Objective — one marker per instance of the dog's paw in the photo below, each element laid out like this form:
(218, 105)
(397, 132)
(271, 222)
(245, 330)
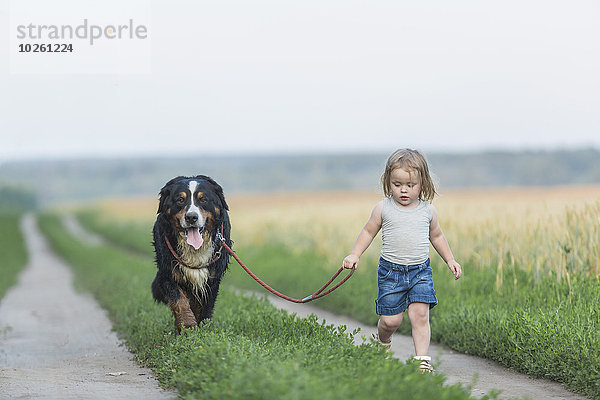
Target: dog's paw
(186, 326)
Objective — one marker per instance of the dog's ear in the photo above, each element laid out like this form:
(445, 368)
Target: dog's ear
(164, 194)
(218, 189)
(162, 200)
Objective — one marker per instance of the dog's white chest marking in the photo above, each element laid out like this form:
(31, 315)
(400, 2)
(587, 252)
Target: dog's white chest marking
(197, 277)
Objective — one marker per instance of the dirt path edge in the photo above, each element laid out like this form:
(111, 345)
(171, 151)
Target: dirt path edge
(57, 343)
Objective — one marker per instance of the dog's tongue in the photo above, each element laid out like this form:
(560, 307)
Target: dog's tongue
(194, 238)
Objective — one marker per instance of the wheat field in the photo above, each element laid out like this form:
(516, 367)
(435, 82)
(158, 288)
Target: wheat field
(549, 231)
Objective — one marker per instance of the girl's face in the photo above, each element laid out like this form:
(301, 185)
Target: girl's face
(406, 187)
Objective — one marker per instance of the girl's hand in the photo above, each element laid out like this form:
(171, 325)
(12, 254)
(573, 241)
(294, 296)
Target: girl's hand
(455, 268)
(350, 262)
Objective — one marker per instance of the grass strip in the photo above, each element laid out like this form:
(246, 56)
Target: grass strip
(12, 250)
(546, 329)
(250, 350)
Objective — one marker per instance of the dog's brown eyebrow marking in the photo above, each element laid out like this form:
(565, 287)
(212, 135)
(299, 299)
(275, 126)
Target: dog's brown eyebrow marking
(199, 195)
(183, 194)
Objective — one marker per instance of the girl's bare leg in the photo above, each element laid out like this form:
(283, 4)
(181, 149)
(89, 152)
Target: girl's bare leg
(387, 325)
(418, 313)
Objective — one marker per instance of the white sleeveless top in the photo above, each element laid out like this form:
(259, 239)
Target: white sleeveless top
(405, 233)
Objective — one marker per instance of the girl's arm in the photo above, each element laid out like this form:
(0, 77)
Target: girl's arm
(440, 244)
(365, 237)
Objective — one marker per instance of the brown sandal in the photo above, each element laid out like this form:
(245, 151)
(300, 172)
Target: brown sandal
(387, 346)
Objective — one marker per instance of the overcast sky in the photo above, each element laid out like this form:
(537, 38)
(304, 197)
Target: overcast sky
(324, 75)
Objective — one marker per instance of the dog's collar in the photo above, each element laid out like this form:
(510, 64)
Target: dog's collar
(212, 260)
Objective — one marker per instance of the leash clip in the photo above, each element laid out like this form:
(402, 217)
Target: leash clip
(219, 235)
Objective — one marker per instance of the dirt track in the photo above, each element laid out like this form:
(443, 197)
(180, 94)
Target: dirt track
(56, 343)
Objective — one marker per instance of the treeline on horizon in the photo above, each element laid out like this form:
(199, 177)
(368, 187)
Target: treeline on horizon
(16, 199)
(54, 181)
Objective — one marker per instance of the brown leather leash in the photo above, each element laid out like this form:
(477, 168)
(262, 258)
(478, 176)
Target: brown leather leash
(316, 295)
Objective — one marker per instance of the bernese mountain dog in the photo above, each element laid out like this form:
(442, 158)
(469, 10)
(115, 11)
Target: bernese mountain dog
(192, 219)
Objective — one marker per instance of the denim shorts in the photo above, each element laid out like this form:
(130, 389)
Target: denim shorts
(401, 285)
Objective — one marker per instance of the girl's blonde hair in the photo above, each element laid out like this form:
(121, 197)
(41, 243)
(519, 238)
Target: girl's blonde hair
(410, 160)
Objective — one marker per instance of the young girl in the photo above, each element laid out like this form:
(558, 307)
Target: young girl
(408, 223)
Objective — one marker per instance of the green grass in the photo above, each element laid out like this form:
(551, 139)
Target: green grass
(545, 328)
(12, 250)
(250, 350)
(135, 236)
